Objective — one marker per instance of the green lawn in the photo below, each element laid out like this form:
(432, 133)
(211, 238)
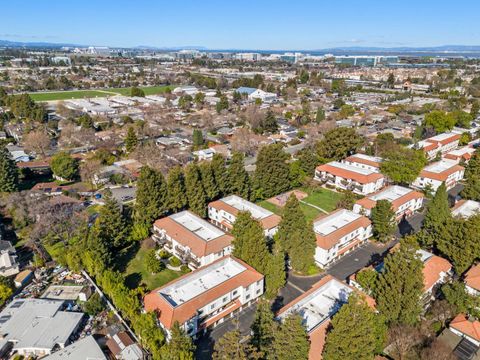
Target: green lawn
(148, 90)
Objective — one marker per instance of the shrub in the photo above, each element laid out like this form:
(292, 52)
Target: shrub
(164, 254)
(175, 262)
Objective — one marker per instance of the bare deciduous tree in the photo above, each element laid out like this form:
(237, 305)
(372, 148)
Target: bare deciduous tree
(402, 341)
(37, 141)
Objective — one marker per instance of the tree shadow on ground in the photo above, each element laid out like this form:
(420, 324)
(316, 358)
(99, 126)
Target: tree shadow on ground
(125, 256)
(133, 280)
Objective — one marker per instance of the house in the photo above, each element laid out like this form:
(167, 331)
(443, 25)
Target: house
(223, 213)
(317, 306)
(36, 326)
(338, 233)
(8, 259)
(364, 161)
(436, 271)
(441, 143)
(405, 201)
(17, 154)
(463, 154)
(472, 280)
(205, 297)
(192, 239)
(84, 349)
(204, 154)
(466, 208)
(433, 175)
(186, 89)
(467, 328)
(122, 347)
(349, 177)
(254, 94)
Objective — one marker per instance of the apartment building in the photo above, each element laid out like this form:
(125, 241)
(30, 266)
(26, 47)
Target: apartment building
(364, 161)
(433, 175)
(466, 327)
(405, 201)
(223, 213)
(192, 239)
(466, 208)
(441, 143)
(463, 154)
(205, 297)
(472, 280)
(339, 233)
(349, 177)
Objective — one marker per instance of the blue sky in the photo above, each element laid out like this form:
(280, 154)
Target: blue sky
(246, 24)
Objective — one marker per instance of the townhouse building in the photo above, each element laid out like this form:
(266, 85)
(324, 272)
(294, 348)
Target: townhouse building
(460, 155)
(466, 208)
(203, 298)
(467, 328)
(441, 143)
(364, 161)
(433, 175)
(472, 280)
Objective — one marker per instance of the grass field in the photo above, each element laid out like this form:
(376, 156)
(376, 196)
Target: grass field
(80, 94)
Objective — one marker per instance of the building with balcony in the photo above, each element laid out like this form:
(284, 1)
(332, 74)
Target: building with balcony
(192, 239)
(205, 297)
(433, 175)
(441, 143)
(472, 280)
(223, 213)
(460, 155)
(339, 233)
(405, 201)
(349, 177)
(364, 161)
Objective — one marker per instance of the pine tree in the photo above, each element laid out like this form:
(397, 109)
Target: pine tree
(263, 329)
(400, 285)
(197, 200)
(272, 173)
(208, 181)
(131, 140)
(177, 194)
(275, 274)
(270, 124)
(230, 347)
(197, 138)
(436, 218)
(291, 340)
(383, 220)
(111, 223)
(152, 197)
(238, 179)
(357, 333)
(472, 178)
(180, 346)
(8, 172)
(220, 173)
(308, 161)
(320, 116)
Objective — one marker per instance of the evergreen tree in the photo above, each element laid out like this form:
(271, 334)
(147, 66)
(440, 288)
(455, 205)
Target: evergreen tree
(472, 178)
(230, 347)
(111, 224)
(64, 166)
(403, 165)
(197, 200)
(180, 346)
(197, 138)
(436, 218)
(208, 181)
(152, 197)
(338, 143)
(222, 104)
(383, 220)
(270, 124)
(291, 340)
(131, 140)
(99, 250)
(263, 329)
(8, 172)
(238, 179)
(400, 285)
(177, 194)
(320, 116)
(308, 161)
(220, 174)
(357, 333)
(275, 274)
(272, 174)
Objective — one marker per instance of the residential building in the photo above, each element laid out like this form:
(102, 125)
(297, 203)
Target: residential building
(223, 213)
(466, 327)
(364, 161)
(192, 239)
(205, 297)
(463, 154)
(441, 143)
(8, 259)
(433, 175)
(472, 280)
(405, 201)
(84, 349)
(466, 208)
(339, 233)
(122, 347)
(436, 271)
(349, 177)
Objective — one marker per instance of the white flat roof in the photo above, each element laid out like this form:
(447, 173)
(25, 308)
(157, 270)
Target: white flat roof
(440, 166)
(334, 221)
(467, 209)
(201, 281)
(352, 168)
(321, 304)
(391, 193)
(197, 225)
(368, 157)
(424, 255)
(441, 137)
(462, 151)
(240, 204)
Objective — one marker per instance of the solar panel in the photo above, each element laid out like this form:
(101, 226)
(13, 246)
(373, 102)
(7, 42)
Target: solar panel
(465, 349)
(4, 319)
(17, 304)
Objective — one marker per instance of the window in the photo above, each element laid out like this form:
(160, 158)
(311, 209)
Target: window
(258, 291)
(225, 299)
(234, 292)
(212, 306)
(247, 297)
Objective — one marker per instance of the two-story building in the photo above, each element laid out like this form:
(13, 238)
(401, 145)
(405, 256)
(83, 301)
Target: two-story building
(472, 280)
(433, 175)
(344, 176)
(223, 213)
(460, 155)
(441, 143)
(466, 208)
(192, 239)
(364, 161)
(338, 233)
(405, 201)
(205, 297)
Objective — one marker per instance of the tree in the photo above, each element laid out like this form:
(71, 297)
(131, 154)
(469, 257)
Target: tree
(439, 121)
(185, 102)
(6, 289)
(153, 264)
(347, 200)
(338, 143)
(437, 217)
(437, 350)
(135, 91)
(94, 305)
(37, 141)
(8, 172)
(177, 194)
(263, 328)
(230, 346)
(197, 200)
(208, 181)
(472, 178)
(291, 340)
(222, 104)
(131, 140)
(383, 220)
(462, 119)
(197, 138)
(367, 279)
(199, 98)
(356, 332)
(308, 161)
(238, 178)
(151, 197)
(64, 166)
(402, 340)
(403, 165)
(180, 346)
(272, 173)
(456, 295)
(391, 80)
(400, 285)
(296, 236)
(111, 224)
(275, 273)
(220, 174)
(269, 124)
(474, 109)
(320, 115)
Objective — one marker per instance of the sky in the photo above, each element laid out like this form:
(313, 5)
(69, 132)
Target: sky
(246, 24)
